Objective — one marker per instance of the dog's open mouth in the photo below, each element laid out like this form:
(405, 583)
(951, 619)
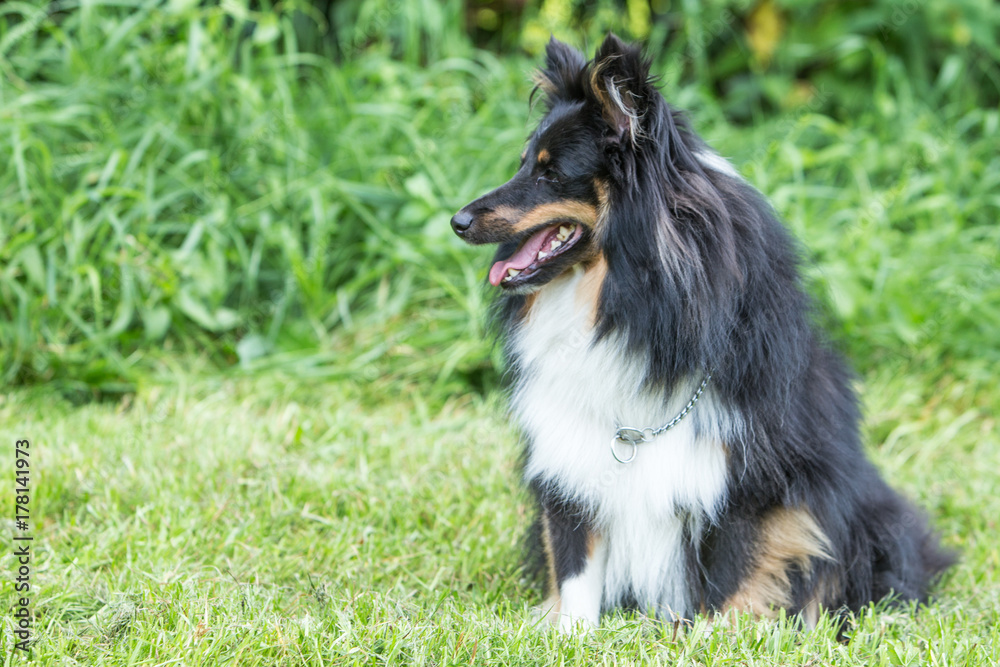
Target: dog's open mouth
(541, 247)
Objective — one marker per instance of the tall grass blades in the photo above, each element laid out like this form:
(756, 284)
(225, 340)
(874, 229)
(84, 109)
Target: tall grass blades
(181, 175)
(271, 185)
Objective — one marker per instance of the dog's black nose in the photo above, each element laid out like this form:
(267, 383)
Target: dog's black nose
(461, 222)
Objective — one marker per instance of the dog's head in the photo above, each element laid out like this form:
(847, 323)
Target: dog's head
(552, 214)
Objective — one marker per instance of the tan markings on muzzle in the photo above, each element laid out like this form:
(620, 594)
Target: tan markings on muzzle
(575, 211)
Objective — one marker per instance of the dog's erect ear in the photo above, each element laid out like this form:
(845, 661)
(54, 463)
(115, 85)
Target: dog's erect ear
(619, 82)
(562, 76)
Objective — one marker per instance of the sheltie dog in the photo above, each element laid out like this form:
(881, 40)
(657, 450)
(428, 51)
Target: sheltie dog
(691, 440)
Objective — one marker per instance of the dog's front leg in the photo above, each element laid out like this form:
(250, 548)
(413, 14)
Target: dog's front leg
(577, 556)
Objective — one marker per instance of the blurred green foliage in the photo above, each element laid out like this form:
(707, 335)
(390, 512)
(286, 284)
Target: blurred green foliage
(271, 185)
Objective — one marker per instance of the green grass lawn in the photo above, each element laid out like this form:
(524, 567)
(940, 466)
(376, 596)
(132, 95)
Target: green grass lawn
(230, 519)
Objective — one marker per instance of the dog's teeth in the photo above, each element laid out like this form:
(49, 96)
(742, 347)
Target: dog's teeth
(512, 272)
(555, 244)
(564, 232)
(542, 254)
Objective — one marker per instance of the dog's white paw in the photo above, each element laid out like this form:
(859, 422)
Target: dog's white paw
(552, 614)
(570, 625)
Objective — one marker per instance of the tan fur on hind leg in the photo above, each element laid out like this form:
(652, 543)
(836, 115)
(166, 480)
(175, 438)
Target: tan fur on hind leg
(790, 537)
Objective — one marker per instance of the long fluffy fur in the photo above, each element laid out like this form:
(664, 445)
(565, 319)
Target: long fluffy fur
(777, 506)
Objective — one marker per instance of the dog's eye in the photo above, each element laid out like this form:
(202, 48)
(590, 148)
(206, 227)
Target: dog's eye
(548, 176)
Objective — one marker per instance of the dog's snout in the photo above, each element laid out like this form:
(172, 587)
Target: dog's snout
(461, 222)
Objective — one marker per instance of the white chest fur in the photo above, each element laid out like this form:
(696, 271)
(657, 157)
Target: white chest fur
(572, 395)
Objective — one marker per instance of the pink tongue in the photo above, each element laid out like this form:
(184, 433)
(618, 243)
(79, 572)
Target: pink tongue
(523, 258)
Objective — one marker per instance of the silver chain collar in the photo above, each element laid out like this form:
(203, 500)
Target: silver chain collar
(633, 435)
